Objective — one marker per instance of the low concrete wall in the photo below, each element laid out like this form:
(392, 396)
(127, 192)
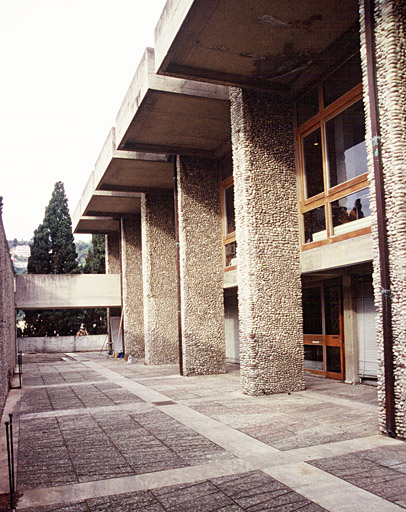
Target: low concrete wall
(63, 343)
(67, 291)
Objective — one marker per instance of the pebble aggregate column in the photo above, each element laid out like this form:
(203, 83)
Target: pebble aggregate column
(390, 34)
(131, 264)
(113, 266)
(159, 279)
(201, 266)
(267, 231)
(113, 253)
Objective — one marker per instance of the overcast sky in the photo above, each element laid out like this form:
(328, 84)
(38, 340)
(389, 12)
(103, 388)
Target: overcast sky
(65, 68)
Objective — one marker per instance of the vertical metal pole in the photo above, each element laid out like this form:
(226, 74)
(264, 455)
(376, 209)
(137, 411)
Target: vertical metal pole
(175, 200)
(10, 479)
(381, 220)
(12, 451)
(20, 367)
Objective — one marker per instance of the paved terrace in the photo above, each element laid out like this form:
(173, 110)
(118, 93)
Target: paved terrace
(96, 434)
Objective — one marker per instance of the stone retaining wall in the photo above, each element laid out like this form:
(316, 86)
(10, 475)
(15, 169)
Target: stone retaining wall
(7, 318)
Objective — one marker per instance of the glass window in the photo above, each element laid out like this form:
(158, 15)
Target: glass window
(231, 254)
(226, 168)
(332, 308)
(315, 225)
(333, 357)
(343, 80)
(354, 207)
(230, 214)
(313, 164)
(313, 357)
(312, 311)
(308, 106)
(346, 148)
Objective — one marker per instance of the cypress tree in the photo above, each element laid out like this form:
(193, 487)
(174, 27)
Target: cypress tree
(95, 259)
(53, 252)
(95, 320)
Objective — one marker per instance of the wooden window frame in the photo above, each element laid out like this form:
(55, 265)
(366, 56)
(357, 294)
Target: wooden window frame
(329, 194)
(226, 237)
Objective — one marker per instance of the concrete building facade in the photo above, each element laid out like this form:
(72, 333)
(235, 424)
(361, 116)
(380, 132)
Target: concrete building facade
(278, 147)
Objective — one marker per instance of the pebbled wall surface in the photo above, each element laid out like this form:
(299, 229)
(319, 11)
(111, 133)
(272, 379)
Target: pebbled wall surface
(390, 33)
(7, 319)
(159, 279)
(133, 308)
(267, 231)
(201, 266)
(113, 265)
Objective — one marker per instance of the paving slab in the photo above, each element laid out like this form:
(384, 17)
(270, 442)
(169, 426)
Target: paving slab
(98, 434)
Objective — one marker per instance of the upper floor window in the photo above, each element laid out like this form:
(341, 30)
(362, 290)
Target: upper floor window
(228, 215)
(333, 185)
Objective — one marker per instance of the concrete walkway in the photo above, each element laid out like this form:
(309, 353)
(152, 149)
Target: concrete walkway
(97, 434)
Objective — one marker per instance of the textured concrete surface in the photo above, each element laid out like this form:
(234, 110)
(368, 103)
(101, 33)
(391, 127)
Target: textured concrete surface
(131, 285)
(269, 291)
(159, 279)
(201, 266)
(98, 434)
(390, 22)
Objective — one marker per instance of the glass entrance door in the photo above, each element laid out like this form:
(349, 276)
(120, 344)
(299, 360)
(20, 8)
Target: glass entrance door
(323, 329)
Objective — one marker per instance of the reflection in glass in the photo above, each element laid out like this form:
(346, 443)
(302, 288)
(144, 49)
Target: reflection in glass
(313, 357)
(315, 225)
(308, 106)
(332, 308)
(353, 207)
(230, 214)
(341, 81)
(312, 312)
(346, 148)
(333, 356)
(231, 254)
(313, 164)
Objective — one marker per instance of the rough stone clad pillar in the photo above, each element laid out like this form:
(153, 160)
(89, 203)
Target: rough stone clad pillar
(113, 266)
(159, 279)
(390, 17)
(201, 266)
(131, 264)
(269, 292)
(113, 253)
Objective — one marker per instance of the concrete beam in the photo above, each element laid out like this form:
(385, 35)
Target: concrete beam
(67, 291)
(93, 224)
(169, 115)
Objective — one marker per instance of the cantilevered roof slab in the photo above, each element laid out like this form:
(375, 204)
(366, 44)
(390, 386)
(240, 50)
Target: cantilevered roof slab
(169, 115)
(254, 43)
(96, 225)
(131, 171)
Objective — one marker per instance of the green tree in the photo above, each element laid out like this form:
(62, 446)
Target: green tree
(96, 259)
(95, 320)
(53, 252)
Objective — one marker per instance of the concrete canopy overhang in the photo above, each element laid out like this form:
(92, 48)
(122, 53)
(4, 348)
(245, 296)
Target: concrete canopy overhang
(255, 44)
(170, 115)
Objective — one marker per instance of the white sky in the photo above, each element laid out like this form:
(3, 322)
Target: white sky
(65, 67)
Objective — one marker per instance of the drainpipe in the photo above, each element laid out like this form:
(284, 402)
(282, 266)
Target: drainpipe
(175, 200)
(381, 219)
